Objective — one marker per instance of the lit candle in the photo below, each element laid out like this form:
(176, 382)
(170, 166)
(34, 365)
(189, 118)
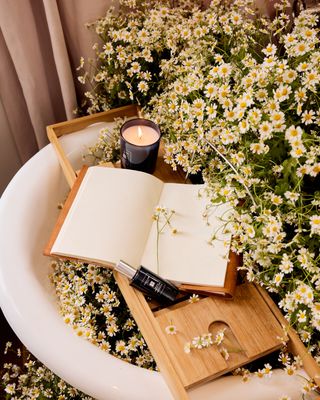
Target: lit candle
(139, 143)
(140, 135)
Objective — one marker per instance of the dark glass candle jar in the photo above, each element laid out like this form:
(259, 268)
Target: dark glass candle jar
(139, 145)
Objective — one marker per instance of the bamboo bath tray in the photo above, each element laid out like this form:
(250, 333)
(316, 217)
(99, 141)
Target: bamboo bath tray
(253, 323)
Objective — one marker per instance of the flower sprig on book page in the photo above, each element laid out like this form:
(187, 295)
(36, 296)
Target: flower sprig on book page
(163, 216)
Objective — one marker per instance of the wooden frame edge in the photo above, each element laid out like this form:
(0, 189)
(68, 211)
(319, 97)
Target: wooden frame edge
(55, 131)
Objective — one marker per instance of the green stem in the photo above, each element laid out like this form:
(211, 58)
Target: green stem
(158, 235)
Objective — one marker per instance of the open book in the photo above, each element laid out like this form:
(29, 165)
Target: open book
(109, 215)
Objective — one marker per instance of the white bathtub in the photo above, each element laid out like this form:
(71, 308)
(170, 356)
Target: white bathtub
(28, 210)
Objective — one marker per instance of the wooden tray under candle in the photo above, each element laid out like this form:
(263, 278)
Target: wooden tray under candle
(253, 323)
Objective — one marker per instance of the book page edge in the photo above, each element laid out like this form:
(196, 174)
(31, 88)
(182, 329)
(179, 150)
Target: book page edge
(64, 212)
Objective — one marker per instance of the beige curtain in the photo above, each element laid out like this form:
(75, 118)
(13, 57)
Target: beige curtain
(41, 42)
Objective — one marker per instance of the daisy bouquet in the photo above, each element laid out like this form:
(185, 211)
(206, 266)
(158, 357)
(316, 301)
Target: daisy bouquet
(250, 125)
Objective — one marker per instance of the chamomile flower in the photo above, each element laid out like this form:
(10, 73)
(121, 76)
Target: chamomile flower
(284, 358)
(314, 169)
(224, 352)
(293, 133)
(302, 316)
(267, 370)
(282, 93)
(187, 347)
(135, 67)
(197, 342)
(269, 50)
(259, 148)
(308, 387)
(244, 126)
(303, 66)
(286, 266)
(298, 150)
(211, 111)
(277, 117)
(305, 336)
(218, 58)
(315, 224)
(301, 48)
(236, 18)
(290, 369)
(219, 337)
(289, 39)
(207, 339)
(244, 102)
(199, 104)
(276, 199)
(10, 388)
(194, 298)
(292, 197)
(308, 33)
(171, 330)
(112, 330)
(105, 346)
(224, 70)
(307, 117)
(311, 78)
(121, 347)
(229, 115)
(269, 61)
(278, 279)
(261, 95)
(211, 90)
(289, 75)
(143, 86)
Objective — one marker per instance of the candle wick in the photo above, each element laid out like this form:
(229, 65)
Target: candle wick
(139, 133)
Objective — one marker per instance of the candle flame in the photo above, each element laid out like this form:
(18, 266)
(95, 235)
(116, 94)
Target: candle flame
(139, 132)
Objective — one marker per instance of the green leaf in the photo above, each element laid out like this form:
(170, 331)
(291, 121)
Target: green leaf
(289, 176)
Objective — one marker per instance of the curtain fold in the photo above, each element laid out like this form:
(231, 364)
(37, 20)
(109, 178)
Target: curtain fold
(17, 123)
(75, 14)
(27, 37)
(61, 58)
